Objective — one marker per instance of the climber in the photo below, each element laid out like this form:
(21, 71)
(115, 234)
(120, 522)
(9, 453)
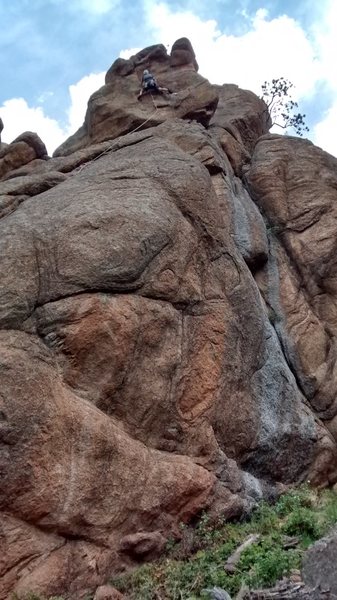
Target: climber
(1, 128)
(149, 84)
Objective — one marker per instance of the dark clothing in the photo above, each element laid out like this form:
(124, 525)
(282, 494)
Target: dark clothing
(149, 82)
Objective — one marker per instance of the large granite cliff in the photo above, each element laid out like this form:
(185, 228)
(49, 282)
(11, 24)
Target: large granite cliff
(168, 313)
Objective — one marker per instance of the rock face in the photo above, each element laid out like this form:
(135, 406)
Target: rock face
(319, 567)
(168, 316)
(114, 109)
(21, 151)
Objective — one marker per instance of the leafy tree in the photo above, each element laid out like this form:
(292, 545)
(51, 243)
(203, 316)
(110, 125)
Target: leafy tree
(281, 107)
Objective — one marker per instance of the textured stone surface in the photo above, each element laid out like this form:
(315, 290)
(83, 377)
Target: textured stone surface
(107, 592)
(115, 242)
(115, 110)
(33, 140)
(60, 456)
(295, 184)
(15, 155)
(167, 325)
(9, 203)
(240, 119)
(319, 567)
(24, 149)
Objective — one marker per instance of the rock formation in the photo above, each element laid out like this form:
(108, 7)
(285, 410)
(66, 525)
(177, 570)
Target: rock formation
(319, 567)
(168, 311)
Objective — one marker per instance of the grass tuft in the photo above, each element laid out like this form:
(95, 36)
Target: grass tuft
(196, 562)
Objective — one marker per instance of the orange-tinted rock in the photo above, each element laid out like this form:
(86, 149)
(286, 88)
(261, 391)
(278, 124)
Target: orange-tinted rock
(165, 346)
(201, 269)
(66, 456)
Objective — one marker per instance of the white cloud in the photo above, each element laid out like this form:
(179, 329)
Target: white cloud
(325, 35)
(324, 133)
(248, 60)
(129, 52)
(325, 40)
(18, 116)
(272, 48)
(79, 96)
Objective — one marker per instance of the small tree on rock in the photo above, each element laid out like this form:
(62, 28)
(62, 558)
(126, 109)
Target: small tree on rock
(281, 107)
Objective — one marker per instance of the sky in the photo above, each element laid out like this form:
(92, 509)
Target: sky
(54, 54)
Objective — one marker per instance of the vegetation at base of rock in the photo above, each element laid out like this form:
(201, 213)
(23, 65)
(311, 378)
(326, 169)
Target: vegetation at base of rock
(197, 561)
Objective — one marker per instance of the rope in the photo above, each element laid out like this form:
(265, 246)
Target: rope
(154, 104)
(109, 148)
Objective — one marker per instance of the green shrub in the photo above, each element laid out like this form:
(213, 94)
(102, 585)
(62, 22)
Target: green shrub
(264, 518)
(197, 562)
(303, 522)
(295, 499)
(329, 509)
(267, 562)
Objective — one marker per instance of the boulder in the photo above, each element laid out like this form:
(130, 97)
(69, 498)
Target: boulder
(182, 54)
(33, 140)
(319, 567)
(15, 155)
(143, 544)
(107, 592)
(25, 148)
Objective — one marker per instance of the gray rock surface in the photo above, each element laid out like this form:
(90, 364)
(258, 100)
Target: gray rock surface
(319, 567)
